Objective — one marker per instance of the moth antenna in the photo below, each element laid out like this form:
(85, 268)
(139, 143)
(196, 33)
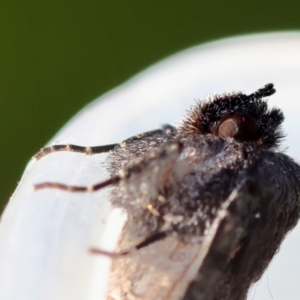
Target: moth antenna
(74, 188)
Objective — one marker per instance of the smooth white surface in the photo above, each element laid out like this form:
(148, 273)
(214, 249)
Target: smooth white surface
(45, 235)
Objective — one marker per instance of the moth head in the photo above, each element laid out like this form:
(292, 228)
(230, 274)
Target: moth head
(236, 115)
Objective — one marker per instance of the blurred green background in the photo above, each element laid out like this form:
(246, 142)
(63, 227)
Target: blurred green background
(56, 56)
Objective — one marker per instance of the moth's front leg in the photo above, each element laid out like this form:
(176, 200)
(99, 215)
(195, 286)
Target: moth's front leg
(166, 129)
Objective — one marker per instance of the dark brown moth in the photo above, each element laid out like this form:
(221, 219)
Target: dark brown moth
(208, 203)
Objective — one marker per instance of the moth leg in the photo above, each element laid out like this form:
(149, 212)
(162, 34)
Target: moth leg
(170, 151)
(166, 129)
(146, 242)
(74, 188)
(74, 148)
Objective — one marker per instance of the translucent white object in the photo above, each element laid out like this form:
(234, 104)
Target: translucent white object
(45, 235)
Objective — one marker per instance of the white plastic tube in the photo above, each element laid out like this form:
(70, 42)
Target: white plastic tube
(45, 235)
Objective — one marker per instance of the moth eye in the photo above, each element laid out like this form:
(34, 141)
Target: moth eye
(237, 126)
(228, 128)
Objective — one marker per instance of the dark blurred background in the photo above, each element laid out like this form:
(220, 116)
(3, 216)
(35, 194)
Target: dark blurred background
(56, 56)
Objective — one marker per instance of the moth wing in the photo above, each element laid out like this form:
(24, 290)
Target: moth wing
(165, 269)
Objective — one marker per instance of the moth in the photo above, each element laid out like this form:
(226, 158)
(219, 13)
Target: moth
(208, 203)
